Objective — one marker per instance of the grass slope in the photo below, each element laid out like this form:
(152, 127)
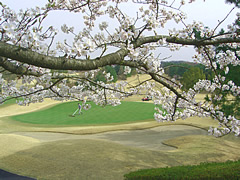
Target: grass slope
(226, 170)
(105, 160)
(61, 114)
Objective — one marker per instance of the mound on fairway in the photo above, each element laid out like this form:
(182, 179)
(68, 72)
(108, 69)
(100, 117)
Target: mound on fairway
(61, 114)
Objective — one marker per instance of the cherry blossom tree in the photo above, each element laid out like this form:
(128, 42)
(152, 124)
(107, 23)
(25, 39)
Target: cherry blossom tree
(30, 49)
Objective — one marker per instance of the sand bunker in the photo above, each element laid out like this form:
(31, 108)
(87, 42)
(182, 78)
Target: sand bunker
(148, 139)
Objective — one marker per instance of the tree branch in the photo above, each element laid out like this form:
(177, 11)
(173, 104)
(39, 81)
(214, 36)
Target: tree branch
(223, 20)
(182, 41)
(117, 58)
(31, 93)
(61, 63)
(13, 68)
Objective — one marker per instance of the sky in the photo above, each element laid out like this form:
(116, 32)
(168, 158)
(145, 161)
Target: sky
(210, 12)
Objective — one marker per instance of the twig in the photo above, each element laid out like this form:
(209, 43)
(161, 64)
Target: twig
(222, 20)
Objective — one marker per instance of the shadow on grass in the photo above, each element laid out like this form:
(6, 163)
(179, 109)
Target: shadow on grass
(4, 175)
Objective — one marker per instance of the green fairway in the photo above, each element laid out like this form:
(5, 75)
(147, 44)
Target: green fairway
(61, 114)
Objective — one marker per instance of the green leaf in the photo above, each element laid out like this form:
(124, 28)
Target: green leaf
(197, 34)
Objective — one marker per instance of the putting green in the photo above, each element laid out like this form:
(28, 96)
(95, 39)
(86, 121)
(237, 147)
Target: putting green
(61, 114)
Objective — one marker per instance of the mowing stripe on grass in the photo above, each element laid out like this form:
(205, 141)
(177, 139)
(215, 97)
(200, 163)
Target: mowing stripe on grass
(61, 114)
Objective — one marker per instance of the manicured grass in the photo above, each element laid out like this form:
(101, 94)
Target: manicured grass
(61, 114)
(226, 170)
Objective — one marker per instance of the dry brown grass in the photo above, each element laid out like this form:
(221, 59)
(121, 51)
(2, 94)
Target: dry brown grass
(204, 148)
(15, 109)
(99, 159)
(11, 144)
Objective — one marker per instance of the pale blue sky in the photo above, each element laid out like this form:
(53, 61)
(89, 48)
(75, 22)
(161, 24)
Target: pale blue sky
(209, 12)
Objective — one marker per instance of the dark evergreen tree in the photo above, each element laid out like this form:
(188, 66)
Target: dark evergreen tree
(192, 76)
(236, 2)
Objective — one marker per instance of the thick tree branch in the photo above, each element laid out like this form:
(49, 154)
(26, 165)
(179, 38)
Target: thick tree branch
(19, 70)
(33, 58)
(60, 63)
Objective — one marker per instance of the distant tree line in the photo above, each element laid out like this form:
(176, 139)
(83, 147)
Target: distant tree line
(189, 73)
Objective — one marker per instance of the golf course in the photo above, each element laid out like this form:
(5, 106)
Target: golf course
(44, 141)
(119, 90)
(51, 140)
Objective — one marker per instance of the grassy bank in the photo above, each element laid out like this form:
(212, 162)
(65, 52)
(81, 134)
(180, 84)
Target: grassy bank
(227, 170)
